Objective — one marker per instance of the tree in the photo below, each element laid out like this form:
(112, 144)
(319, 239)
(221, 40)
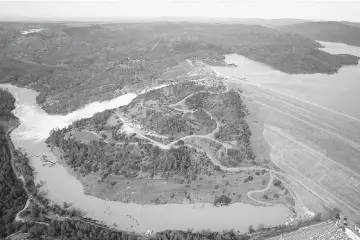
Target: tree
(251, 229)
(51, 231)
(36, 231)
(35, 212)
(261, 226)
(222, 200)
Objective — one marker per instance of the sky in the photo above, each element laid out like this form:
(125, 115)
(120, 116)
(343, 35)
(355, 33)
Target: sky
(108, 9)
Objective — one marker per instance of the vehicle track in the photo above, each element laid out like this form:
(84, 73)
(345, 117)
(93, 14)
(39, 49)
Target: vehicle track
(262, 190)
(214, 159)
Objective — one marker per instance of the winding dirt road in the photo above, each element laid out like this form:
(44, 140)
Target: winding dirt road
(261, 190)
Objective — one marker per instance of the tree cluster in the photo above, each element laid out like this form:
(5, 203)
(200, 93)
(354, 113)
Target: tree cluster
(82, 64)
(229, 110)
(7, 103)
(132, 155)
(12, 194)
(223, 200)
(82, 230)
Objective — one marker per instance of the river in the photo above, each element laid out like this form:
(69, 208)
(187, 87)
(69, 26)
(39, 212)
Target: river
(311, 123)
(61, 187)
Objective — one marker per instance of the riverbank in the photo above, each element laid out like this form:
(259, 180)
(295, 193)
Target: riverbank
(12, 194)
(223, 212)
(62, 187)
(142, 191)
(118, 179)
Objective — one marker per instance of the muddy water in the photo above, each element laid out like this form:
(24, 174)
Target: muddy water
(62, 187)
(311, 124)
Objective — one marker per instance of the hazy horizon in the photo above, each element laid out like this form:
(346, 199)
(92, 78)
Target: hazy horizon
(328, 10)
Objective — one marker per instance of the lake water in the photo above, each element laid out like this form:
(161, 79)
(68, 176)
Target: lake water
(61, 187)
(339, 92)
(311, 123)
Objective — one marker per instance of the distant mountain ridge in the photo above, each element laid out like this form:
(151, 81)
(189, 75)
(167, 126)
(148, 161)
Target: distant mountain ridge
(342, 32)
(73, 64)
(225, 20)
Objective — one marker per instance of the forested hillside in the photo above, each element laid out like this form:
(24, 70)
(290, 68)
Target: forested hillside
(74, 65)
(327, 31)
(7, 102)
(304, 60)
(12, 195)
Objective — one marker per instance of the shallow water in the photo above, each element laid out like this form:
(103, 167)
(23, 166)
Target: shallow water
(62, 187)
(311, 123)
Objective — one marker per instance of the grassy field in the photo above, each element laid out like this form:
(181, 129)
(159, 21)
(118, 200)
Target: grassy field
(275, 194)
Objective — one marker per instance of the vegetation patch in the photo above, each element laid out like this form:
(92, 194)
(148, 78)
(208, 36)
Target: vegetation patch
(229, 111)
(223, 200)
(12, 195)
(71, 66)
